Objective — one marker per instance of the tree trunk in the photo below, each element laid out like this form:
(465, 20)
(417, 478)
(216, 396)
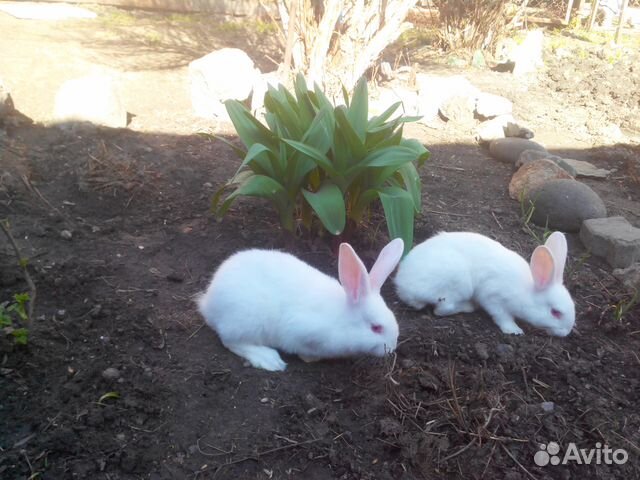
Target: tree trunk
(336, 41)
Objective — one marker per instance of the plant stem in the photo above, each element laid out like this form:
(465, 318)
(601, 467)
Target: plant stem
(27, 276)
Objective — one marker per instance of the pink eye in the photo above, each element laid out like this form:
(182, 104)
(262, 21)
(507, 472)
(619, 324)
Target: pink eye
(556, 313)
(376, 328)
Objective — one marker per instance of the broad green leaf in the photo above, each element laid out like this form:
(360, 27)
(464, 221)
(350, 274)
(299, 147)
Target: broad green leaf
(412, 183)
(307, 112)
(321, 100)
(410, 119)
(384, 137)
(239, 151)
(263, 156)
(320, 132)
(328, 203)
(249, 129)
(422, 154)
(276, 102)
(256, 186)
(398, 211)
(376, 122)
(316, 155)
(352, 137)
(345, 95)
(358, 112)
(393, 156)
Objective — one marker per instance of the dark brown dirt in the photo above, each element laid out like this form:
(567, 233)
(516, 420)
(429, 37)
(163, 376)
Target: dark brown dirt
(457, 400)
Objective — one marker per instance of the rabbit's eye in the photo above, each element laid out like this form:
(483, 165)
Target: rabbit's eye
(376, 328)
(556, 313)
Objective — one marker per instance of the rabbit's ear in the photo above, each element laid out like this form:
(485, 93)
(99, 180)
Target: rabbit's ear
(353, 274)
(542, 267)
(386, 262)
(557, 243)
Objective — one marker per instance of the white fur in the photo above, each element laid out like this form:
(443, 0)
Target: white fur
(261, 300)
(457, 271)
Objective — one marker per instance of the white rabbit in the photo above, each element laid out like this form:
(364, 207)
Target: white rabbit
(456, 271)
(262, 300)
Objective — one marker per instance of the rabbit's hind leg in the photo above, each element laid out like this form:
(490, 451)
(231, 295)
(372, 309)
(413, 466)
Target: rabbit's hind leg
(449, 305)
(259, 356)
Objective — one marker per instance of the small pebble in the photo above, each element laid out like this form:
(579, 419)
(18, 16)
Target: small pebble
(504, 351)
(95, 311)
(548, 407)
(264, 400)
(111, 374)
(61, 313)
(66, 234)
(481, 350)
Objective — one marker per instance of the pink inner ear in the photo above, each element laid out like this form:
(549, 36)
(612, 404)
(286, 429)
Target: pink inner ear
(542, 267)
(352, 273)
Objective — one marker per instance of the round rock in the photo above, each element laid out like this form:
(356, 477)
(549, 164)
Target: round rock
(564, 204)
(458, 109)
(532, 175)
(509, 149)
(532, 155)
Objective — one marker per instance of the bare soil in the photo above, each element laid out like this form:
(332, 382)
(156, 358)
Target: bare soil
(457, 400)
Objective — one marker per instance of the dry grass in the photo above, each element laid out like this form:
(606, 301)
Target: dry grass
(114, 172)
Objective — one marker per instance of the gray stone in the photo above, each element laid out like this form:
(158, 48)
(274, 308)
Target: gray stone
(532, 175)
(92, 99)
(481, 350)
(111, 374)
(564, 204)
(527, 156)
(501, 127)
(66, 234)
(434, 90)
(387, 96)
(225, 74)
(458, 109)
(565, 165)
(586, 169)
(513, 129)
(613, 238)
(493, 129)
(630, 276)
(505, 352)
(489, 105)
(548, 407)
(532, 155)
(509, 149)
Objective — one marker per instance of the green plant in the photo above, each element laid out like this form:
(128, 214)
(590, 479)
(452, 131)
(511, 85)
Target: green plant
(13, 317)
(314, 160)
(108, 396)
(623, 307)
(527, 207)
